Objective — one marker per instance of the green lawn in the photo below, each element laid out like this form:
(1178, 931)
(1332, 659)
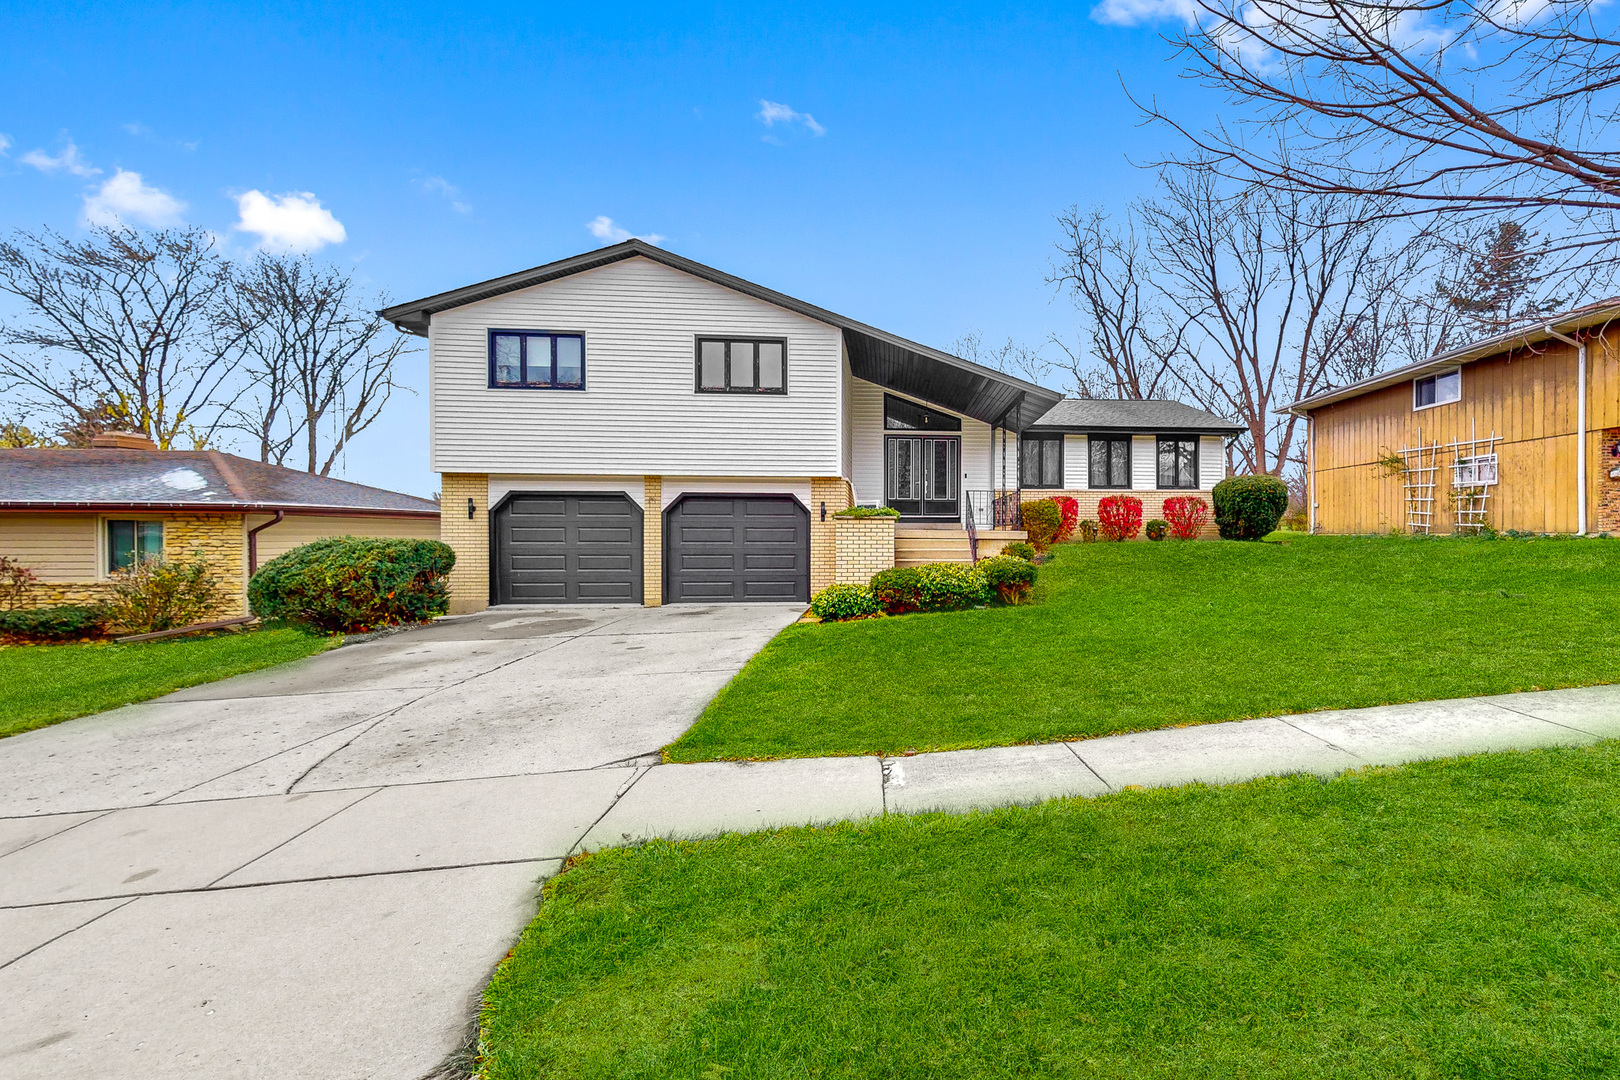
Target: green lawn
(1127, 637)
(44, 684)
(1455, 918)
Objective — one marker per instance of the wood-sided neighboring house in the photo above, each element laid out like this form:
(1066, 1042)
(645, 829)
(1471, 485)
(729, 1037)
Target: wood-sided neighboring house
(631, 426)
(1518, 431)
(74, 516)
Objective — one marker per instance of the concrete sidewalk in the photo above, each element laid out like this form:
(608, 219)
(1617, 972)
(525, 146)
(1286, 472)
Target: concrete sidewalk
(310, 872)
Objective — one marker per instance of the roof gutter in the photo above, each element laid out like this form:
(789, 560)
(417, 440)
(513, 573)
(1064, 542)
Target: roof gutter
(253, 541)
(59, 507)
(1580, 424)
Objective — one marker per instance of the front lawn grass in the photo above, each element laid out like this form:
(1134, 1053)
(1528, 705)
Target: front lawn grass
(45, 684)
(1455, 918)
(1128, 637)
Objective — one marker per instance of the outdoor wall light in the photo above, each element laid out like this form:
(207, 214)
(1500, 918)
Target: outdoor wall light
(471, 508)
(824, 510)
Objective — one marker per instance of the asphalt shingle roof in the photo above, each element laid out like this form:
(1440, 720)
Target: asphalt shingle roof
(174, 479)
(1144, 416)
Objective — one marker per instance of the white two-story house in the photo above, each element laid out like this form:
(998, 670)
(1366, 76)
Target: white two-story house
(630, 426)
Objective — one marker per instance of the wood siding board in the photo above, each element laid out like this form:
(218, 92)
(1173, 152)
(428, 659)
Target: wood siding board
(59, 548)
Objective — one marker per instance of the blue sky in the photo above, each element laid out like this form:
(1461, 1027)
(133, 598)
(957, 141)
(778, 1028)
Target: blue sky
(909, 177)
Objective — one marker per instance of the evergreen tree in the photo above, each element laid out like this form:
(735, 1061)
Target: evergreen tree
(1499, 284)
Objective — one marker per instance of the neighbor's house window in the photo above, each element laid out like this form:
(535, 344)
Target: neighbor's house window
(1110, 461)
(741, 366)
(132, 542)
(1041, 461)
(536, 361)
(1178, 462)
(1437, 389)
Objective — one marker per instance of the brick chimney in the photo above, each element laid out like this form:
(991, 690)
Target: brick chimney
(123, 440)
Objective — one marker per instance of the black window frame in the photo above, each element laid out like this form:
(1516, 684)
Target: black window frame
(728, 341)
(1158, 463)
(1091, 473)
(928, 419)
(523, 337)
(107, 524)
(1038, 440)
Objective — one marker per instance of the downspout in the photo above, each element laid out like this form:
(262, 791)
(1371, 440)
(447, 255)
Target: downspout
(253, 541)
(1580, 425)
(1310, 471)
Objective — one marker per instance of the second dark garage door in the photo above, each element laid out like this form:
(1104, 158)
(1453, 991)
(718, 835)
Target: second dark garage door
(552, 549)
(721, 548)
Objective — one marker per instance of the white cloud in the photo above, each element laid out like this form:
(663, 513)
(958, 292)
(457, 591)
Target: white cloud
(69, 159)
(1136, 12)
(772, 113)
(5, 143)
(603, 228)
(438, 185)
(125, 199)
(137, 129)
(295, 221)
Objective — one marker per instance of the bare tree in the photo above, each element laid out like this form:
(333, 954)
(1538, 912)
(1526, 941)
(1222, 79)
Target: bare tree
(1456, 108)
(319, 365)
(1127, 344)
(118, 328)
(1017, 360)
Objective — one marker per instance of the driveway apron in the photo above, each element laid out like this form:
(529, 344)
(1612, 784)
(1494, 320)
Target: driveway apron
(309, 871)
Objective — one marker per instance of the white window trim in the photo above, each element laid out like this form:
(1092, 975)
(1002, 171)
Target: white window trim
(1435, 375)
(102, 573)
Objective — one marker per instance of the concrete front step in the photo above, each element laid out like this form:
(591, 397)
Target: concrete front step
(920, 544)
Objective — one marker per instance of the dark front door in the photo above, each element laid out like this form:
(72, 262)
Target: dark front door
(568, 549)
(721, 548)
(923, 476)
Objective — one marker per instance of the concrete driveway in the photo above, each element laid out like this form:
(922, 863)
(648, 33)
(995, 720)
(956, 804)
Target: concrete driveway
(309, 871)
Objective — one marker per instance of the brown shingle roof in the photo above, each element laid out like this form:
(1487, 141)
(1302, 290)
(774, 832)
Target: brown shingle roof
(183, 480)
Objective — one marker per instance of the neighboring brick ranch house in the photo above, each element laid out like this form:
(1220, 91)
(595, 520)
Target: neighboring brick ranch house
(1519, 431)
(630, 426)
(74, 516)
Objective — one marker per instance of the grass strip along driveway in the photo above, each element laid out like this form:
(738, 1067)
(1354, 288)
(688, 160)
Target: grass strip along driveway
(1129, 637)
(45, 684)
(1454, 918)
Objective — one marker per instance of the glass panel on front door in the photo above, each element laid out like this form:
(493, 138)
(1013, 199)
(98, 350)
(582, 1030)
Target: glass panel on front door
(922, 480)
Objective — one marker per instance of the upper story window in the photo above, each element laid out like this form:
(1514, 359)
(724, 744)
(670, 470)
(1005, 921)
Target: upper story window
(1041, 461)
(1110, 461)
(132, 542)
(1440, 389)
(536, 360)
(902, 415)
(1178, 462)
(741, 366)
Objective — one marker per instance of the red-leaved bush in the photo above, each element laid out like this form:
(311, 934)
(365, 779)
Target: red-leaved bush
(1119, 517)
(1069, 507)
(1187, 515)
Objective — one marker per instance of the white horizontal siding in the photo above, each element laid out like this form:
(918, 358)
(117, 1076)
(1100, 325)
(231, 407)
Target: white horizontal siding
(296, 530)
(639, 413)
(1211, 461)
(982, 464)
(1144, 462)
(56, 547)
(1076, 462)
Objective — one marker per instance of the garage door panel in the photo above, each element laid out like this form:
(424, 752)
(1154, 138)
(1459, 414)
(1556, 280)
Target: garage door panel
(746, 547)
(568, 549)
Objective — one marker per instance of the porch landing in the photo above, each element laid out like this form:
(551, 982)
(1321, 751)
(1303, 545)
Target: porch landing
(920, 542)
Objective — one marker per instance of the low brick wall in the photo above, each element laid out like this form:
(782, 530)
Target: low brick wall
(833, 493)
(468, 537)
(1152, 505)
(1608, 487)
(864, 546)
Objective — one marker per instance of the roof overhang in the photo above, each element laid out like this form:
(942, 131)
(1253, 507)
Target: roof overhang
(877, 356)
(39, 506)
(1522, 338)
(1132, 429)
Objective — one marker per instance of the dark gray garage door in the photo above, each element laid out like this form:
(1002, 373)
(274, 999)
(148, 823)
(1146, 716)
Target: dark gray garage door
(723, 548)
(568, 549)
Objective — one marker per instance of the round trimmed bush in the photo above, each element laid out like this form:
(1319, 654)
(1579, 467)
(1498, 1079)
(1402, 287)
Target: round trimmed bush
(1043, 520)
(950, 586)
(350, 583)
(1249, 507)
(1009, 576)
(1020, 550)
(844, 602)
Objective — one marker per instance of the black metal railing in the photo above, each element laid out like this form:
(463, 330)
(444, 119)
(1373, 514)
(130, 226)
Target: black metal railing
(998, 509)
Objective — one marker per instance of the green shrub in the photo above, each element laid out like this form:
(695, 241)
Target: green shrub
(934, 587)
(66, 623)
(355, 583)
(860, 512)
(1043, 519)
(1088, 531)
(1009, 576)
(1157, 529)
(843, 602)
(951, 586)
(161, 594)
(1249, 507)
(1020, 550)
